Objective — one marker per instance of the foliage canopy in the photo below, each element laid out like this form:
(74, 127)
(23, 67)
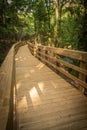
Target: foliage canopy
(60, 23)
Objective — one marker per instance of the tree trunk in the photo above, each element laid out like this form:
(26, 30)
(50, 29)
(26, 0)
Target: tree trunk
(83, 39)
(56, 22)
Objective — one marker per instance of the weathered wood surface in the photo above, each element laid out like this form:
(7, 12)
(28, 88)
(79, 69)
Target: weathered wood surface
(6, 79)
(45, 101)
(52, 57)
(7, 84)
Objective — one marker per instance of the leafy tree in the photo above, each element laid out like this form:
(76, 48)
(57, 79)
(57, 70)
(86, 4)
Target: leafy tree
(61, 23)
(83, 38)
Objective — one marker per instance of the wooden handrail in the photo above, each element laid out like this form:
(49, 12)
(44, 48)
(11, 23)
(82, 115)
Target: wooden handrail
(78, 55)
(7, 84)
(55, 58)
(6, 81)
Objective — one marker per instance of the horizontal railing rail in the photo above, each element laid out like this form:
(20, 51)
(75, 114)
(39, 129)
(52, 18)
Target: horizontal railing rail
(71, 63)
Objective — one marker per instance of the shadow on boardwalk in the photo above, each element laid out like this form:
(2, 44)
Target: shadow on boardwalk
(45, 101)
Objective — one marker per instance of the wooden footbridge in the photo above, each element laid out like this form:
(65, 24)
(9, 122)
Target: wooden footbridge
(37, 92)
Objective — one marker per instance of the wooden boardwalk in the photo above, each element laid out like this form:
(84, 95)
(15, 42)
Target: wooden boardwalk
(45, 101)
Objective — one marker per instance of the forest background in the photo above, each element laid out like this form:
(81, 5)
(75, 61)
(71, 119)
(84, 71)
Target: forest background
(57, 23)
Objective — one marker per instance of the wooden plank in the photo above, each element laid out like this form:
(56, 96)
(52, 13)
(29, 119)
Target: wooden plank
(81, 70)
(6, 85)
(82, 83)
(45, 100)
(53, 58)
(79, 55)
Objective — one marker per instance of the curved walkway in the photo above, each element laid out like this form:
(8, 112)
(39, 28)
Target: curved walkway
(45, 101)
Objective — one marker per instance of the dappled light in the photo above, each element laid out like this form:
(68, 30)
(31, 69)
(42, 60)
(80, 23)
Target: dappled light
(16, 59)
(54, 85)
(45, 99)
(20, 59)
(23, 103)
(32, 71)
(27, 75)
(41, 86)
(40, 66)
(18, 85)
(35, 97)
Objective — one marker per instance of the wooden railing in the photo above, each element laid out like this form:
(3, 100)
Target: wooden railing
(7, 86)
(64, 61)
(51, 56)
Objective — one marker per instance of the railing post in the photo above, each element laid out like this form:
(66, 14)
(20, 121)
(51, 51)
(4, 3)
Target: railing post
(82, 76)
(46, 58)
(54, 58)
(44, 55)
(35, 49)
(84, 66)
